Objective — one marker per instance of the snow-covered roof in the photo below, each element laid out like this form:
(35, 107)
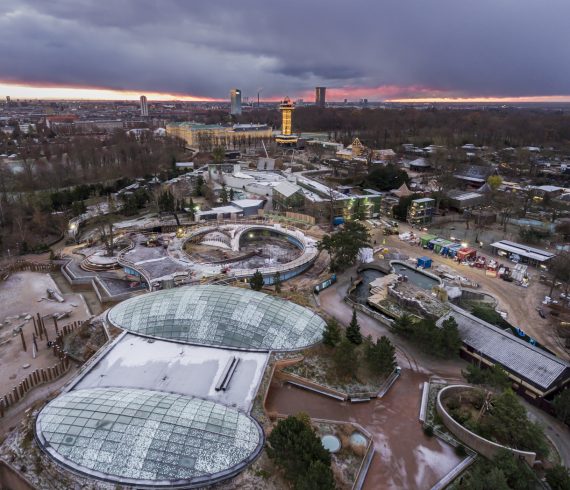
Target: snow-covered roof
(420, 162)
(287, 188)
(517, 356)
(220, 210)
(248, 203)
(523, 250)
(167, 366)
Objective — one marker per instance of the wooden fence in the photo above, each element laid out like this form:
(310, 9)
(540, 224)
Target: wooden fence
(25, 265)
(43, 375)
(35, 378)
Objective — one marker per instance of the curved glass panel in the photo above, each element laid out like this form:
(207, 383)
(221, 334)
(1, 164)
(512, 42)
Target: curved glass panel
(220, 316)
(147, 437)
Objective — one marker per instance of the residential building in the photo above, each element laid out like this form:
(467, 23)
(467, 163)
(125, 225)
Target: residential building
(421, 211)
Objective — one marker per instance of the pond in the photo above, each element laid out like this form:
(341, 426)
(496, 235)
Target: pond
(362, 291)
(414, 276)
(331, 443)
(358, 439)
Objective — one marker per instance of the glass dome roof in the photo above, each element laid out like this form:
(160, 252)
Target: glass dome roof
(220, 316)
(148, 438)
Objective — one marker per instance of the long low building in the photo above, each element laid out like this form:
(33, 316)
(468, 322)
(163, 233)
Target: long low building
(208, 136)
(526, 254)
(535, 372)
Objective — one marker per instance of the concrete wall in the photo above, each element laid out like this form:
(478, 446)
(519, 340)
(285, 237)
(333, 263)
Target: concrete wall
(483, 446)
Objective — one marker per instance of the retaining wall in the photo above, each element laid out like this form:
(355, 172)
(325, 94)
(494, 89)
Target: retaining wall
(483, 446)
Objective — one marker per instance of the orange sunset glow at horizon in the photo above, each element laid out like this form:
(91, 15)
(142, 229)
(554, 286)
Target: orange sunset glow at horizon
(391, 94)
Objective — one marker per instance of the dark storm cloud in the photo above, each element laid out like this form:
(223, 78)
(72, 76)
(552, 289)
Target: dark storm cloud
(488, 47)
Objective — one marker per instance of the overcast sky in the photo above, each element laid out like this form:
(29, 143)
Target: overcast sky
(377, 49)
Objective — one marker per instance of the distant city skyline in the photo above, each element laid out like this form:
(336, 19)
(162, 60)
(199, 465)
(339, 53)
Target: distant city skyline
(414, 51)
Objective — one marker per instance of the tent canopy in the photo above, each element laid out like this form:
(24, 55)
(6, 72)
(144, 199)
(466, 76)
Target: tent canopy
(466, 252)
(426, 239)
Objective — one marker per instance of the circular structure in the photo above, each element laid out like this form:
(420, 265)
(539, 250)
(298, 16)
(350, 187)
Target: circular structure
(331, 443)
(147, 438)
(220, 316)
(486, 447)
(358, 439)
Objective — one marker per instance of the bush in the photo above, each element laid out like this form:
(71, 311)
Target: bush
(256, 281)
(428, 430)
(562, 406)
(442, 342)
(558, 478)
(332, 334)
(345, 358)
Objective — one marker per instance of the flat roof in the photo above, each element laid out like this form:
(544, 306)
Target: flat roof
(517, 356)
(523, 250)
(220, 210)
(139, 362)
(220, 316)
(287, 188)
(465, 196)
(248, 203)
(147, 438)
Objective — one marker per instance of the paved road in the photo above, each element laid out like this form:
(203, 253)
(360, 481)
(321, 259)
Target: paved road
(408, 356)
(554, 429)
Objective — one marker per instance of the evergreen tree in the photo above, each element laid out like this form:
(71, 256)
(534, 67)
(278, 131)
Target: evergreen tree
(558, 477)
(256, 282)
(353, 333)
(332, 334)
(295, 447)
(562, 405)
(277, 282)
(343, 246)
(232, 194)
(404, 325)
(318, 477)
(381, 356)
(199, 189)
(345, 358)
(224, 194)
(451, 341)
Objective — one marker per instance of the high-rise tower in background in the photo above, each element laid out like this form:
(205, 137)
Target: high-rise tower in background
(144, 106)
(286, 137)
(235, 94)
(320, 96)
